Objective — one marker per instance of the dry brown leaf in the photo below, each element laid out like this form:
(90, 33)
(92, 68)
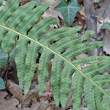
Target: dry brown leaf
(9, 104)
(48, 86)
(16, 91)
(52, 13)
(23, 2)
(82, 12)
(42, 104)
(79, 20)
(81, 56)
(79, 1)
(31, 96)
(103, 14)
(38, 106)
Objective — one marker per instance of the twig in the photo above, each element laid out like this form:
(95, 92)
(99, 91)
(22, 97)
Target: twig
(6, 70)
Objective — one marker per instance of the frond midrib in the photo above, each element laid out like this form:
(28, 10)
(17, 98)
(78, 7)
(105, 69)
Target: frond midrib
(57, 55)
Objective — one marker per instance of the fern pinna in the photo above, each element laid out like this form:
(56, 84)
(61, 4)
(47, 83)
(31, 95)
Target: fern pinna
(16, 23)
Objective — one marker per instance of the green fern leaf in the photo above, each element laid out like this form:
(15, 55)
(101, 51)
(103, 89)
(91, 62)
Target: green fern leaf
(90, 60)
(89, 95)
(43, 69)
(33, 48)
(100, 80)
(56, 78)
(106, 103)
(92, 93)
(66, 81)
(17, 23)
(94, 69)
(77, 90)
(98, 98)
(103, 81)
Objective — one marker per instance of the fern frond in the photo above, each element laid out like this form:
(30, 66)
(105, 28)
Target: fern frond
(93, 96)
(16, 23)
(97, 65)
(21, 48)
